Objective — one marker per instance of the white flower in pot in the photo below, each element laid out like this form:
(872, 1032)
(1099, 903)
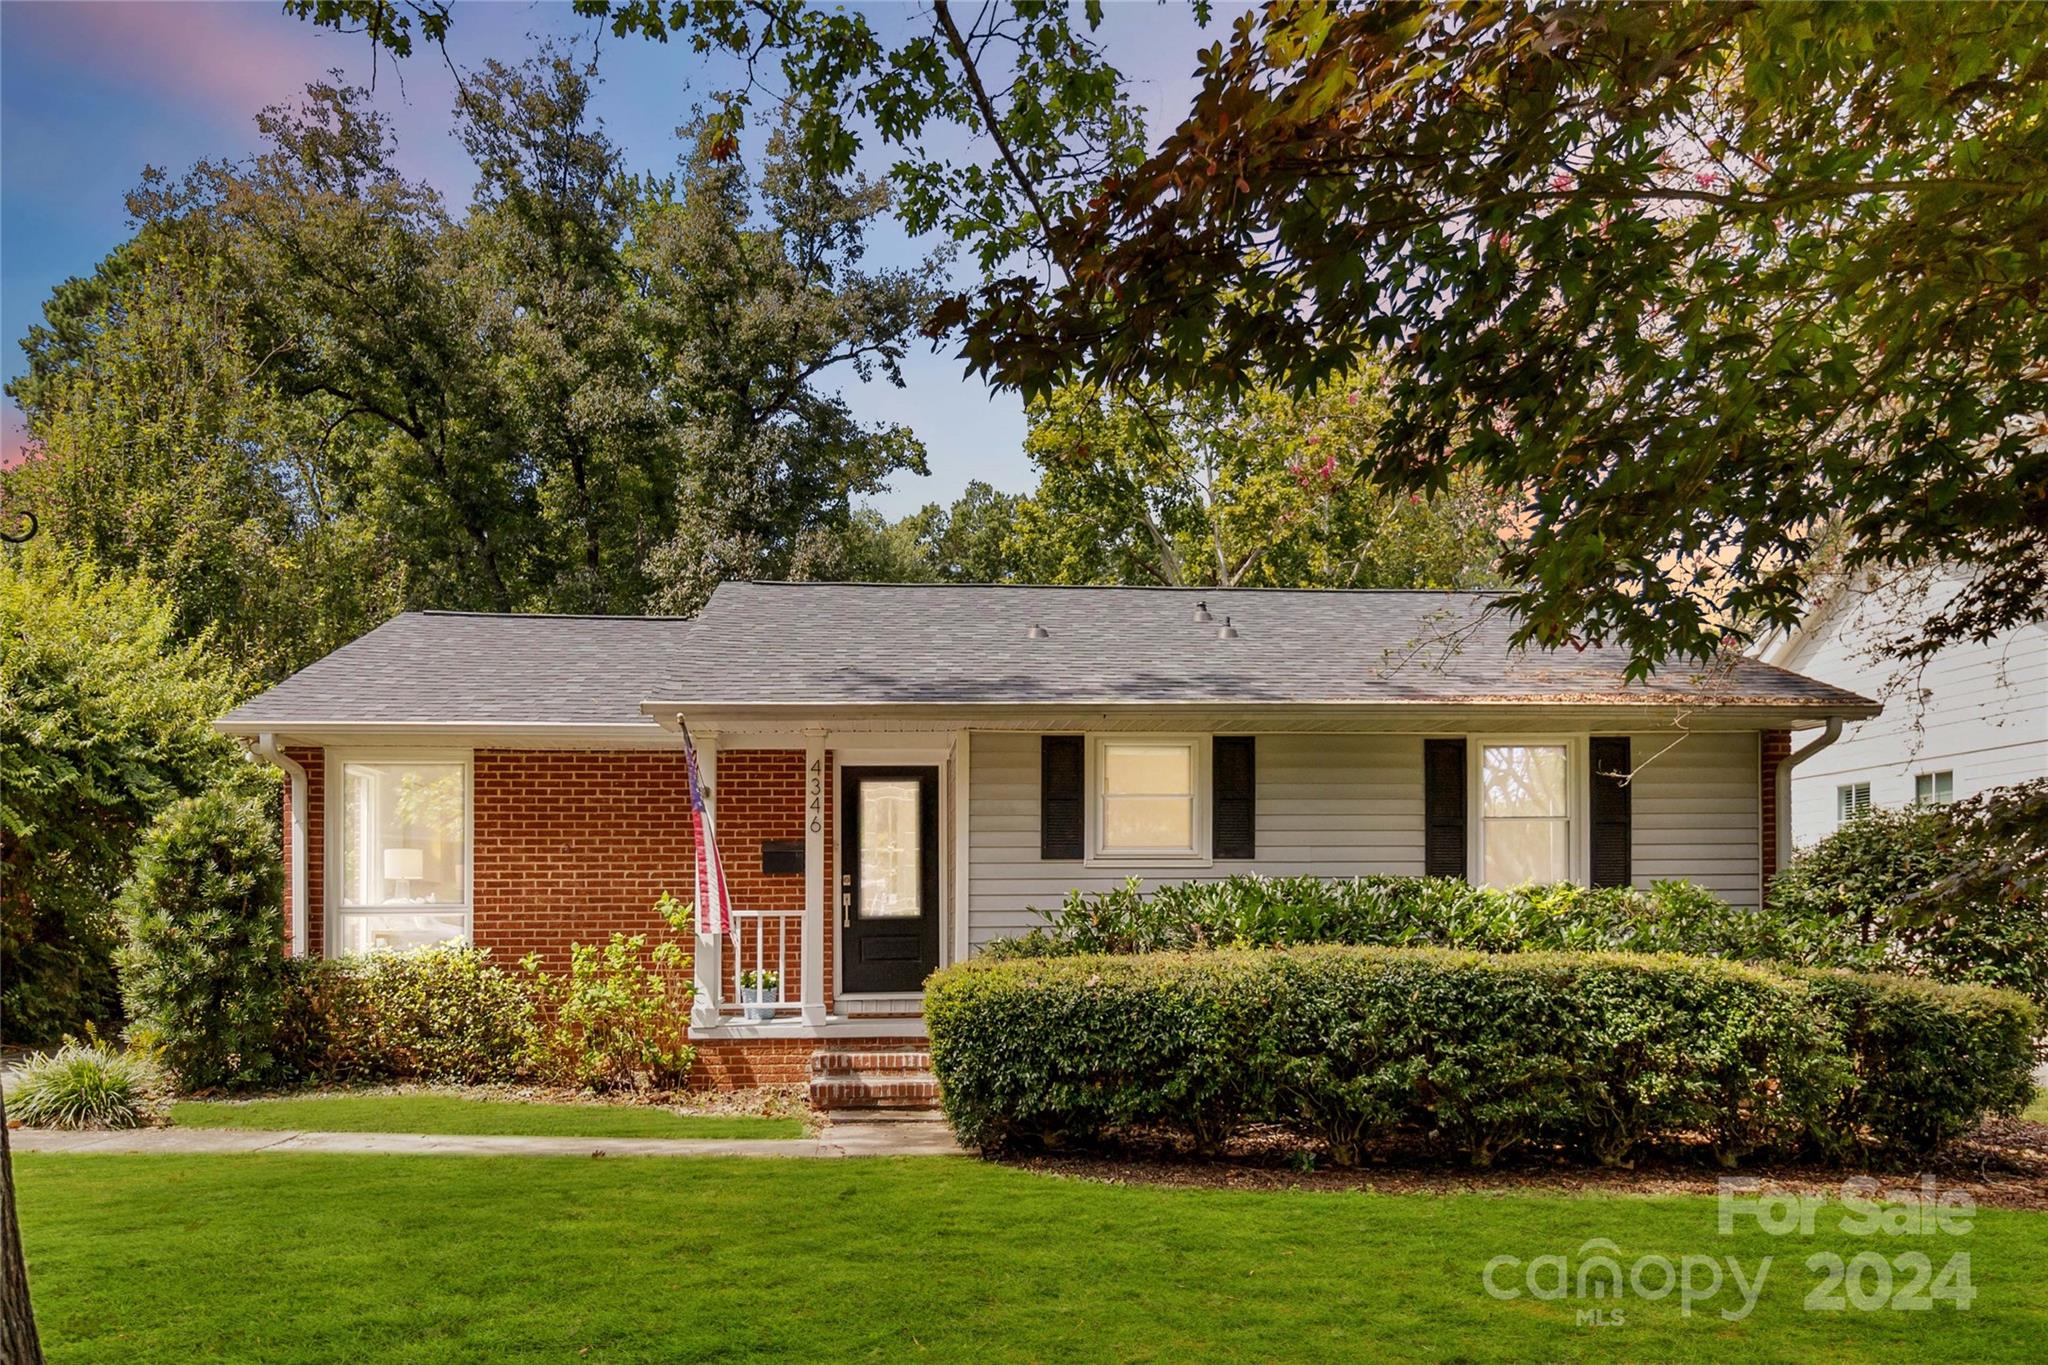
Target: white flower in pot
(759, 992)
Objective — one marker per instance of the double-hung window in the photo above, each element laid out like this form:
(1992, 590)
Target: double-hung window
(403, 853)
(1149, 799)
(1525, 805)
(1934, 789)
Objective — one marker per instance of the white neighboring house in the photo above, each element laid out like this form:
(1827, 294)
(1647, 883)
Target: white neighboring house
(1974, 717)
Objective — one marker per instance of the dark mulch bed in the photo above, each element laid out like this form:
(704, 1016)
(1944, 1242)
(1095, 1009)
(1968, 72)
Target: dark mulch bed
(2003, 1164)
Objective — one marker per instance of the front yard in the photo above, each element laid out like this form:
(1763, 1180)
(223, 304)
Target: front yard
(418, 1111)
(286, 1258)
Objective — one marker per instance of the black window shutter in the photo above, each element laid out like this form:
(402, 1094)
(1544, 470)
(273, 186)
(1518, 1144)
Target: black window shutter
(1443, 807)
(1612, 833)
(1062, 796)
(1234, 811)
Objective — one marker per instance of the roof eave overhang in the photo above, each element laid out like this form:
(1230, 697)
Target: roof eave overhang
(461, 733)
(1418, 715)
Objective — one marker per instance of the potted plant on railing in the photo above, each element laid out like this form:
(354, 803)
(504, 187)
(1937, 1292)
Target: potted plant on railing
(759, 992)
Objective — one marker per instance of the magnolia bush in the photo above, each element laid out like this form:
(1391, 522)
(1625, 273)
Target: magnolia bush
(1439, 912)
(1954, 893)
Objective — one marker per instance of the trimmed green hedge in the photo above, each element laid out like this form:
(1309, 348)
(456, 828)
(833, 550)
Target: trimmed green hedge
(1603, 1054)
(1249, 911)
(444, 1014)
(1928, 1060)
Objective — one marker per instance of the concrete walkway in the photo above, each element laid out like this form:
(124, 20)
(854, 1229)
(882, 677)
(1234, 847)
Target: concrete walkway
(838, 1140)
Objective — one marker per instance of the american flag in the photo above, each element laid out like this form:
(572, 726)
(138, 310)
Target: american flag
(714, 899)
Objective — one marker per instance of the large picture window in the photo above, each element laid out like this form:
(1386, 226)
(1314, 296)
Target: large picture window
(1148, 802)
(1525, 819)
(404, 854)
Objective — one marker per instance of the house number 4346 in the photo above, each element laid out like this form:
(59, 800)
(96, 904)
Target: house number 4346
(815, 801)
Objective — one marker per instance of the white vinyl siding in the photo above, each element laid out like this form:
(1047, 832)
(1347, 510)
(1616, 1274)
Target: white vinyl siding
(1328, 805)
(1695, 813)
(1349, 806)
(1978, 711)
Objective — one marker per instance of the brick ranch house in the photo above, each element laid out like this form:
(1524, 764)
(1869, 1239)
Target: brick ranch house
(902, 773)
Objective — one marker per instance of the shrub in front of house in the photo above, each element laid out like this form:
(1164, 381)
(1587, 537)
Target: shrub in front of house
(619, 1017)
(1601, 1054)
(84, 1085)
(448, 1015)
(1437, 912)
(1928, 1060)
(1937, 891)
(202, 970)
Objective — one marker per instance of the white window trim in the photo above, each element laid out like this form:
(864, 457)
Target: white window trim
(1934, 796)
(333, 913)
(1198, 746)
(1578, 801)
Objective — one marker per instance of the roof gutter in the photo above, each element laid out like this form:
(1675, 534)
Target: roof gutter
(266, 745)
(1782, 788)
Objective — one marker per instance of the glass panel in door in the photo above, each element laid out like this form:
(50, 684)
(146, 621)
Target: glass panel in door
(891, 849)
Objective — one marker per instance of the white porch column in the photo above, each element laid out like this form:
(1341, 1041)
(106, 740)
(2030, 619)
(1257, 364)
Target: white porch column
(710, 959)
(962, 848)
(817, 921)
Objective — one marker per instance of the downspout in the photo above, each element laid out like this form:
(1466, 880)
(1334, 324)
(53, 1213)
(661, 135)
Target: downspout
(1782, 786)
(266, 745)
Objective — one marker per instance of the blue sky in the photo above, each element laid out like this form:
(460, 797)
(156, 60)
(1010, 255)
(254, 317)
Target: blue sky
(92, 92)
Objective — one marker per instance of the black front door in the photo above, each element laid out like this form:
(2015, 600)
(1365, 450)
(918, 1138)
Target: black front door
(888, 878)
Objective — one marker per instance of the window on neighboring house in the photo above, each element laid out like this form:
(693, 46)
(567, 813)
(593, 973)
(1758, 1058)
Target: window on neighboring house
(1934, 789)
(1525, 823)
(1148, 798)
(1851, 800)
(404, 854)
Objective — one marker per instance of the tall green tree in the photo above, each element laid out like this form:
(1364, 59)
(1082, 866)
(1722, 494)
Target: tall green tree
(971, 540)
(753, 296)
(551, 210)
(105, 718)
(1259, 490)
(307, 394)
(379, 305)
(165, 446)
(1695, 283)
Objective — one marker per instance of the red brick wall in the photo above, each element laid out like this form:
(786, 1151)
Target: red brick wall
(768, 1061)
(573, 846)
(1777, 746)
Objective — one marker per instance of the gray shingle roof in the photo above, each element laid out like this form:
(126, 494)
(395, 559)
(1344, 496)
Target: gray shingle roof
(457, 667)
(852, 644)
(855, 643)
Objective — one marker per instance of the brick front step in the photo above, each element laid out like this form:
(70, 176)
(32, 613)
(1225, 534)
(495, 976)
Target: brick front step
(826, 1060)
(873, 1078)
(854, 1090)
(909, 1116)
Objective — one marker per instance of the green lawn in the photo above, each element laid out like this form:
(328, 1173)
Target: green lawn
(305, 1257)
(2038, 1110)
(465, 1116)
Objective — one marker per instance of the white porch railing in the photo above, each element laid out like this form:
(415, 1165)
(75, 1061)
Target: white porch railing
(761, 942)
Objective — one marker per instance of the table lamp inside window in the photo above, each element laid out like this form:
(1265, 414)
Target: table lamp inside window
(404, 866)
